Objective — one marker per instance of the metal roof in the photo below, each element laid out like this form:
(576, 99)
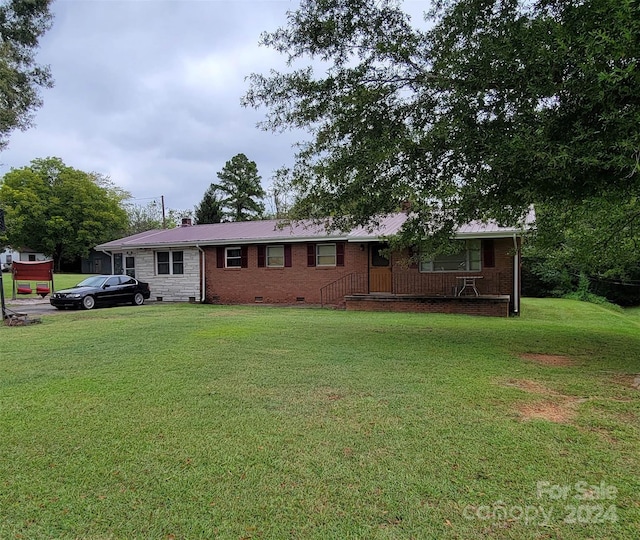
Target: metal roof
(255, 232)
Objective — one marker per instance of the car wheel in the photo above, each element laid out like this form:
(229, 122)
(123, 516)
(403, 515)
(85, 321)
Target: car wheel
(138, 299)
(88, 302)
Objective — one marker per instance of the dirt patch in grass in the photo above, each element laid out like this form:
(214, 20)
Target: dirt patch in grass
(561, 413)
(527, 385)
(549, 359)
(631, 380)
(557, 407)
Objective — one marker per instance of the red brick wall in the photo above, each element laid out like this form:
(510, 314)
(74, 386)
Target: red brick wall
(277, 285)
(490, 307)
(286, 285)
(496, 280)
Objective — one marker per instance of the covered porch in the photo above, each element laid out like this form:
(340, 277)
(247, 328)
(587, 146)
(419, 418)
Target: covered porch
(482, 282)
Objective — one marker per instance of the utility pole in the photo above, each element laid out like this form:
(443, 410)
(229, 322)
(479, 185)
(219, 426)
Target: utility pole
(2, 299)
(2, 229)
(164, 219)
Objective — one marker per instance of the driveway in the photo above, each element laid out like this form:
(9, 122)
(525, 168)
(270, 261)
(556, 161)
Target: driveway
(37, 306)
(30, 306)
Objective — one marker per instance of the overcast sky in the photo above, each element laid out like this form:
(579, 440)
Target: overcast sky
(148, 92)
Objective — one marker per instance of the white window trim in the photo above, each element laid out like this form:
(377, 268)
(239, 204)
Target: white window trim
(170, 252)
(429, 263)
(226, 256)
(266, 256)
(335, 255)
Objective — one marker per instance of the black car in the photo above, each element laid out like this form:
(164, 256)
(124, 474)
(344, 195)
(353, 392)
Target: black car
(102, 290)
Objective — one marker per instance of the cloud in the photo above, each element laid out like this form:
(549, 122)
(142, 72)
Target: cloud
(149, 93)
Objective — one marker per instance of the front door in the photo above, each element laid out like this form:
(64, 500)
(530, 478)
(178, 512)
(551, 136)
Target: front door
(379, 269)
(130, 266)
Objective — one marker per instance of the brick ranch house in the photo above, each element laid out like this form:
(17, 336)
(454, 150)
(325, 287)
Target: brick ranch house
(262, 262)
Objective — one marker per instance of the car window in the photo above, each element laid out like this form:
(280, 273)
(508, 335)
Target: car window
(112, 281)
(126, 280)
(93, 281)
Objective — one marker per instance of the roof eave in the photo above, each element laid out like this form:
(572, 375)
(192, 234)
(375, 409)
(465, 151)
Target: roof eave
(220, 242)
(490, 234)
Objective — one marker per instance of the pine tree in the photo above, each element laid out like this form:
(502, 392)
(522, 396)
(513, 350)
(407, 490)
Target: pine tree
(241, 191)
(210, 208)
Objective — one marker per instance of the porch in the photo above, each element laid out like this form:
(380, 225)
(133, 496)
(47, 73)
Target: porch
(411, 291)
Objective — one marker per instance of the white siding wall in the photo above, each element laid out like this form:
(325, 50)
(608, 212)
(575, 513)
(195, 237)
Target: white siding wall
(18, 256)
(172, 288)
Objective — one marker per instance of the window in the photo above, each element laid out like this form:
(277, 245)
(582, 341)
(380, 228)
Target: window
(178, 262)
(379, 259)
(163, 262)
(233, 256)
(170, 262)
(118, 267)
(466, 260)
(326, 255)
(123, 264)
(275, 256)
(112, 281)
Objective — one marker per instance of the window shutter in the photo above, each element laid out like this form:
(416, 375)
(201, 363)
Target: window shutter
(220, 257)
(244, 256)
(340, 254)
(262, 250)
(311, 254)
(287, 255)
(488, 253)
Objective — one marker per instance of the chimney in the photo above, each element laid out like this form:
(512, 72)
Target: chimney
(186, 222)
(405, 206)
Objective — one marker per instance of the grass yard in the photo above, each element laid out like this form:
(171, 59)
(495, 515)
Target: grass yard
(195, 421)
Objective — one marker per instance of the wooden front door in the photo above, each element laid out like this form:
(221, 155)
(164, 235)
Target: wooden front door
(379, 269)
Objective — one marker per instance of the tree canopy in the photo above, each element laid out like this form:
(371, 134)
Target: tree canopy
(210, 208)
(240, 189)
(22, 24)
(60, 211)
(147, 217)
(488, 107)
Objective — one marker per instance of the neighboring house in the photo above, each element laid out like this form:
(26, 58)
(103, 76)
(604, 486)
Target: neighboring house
(9, 255)
(262, 262)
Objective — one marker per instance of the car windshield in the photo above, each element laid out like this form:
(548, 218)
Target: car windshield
(93, 281)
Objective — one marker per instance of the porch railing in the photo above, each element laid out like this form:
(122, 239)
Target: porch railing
(436, 284)
(341, 287)
(443, 284)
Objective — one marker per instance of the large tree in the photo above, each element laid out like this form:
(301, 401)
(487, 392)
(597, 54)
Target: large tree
(22, 24)
(210, 208)
(487, 108)
(60, 211)
(240, 189)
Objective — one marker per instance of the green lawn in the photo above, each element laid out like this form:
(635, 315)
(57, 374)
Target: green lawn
(193, 421)
(60, 281)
